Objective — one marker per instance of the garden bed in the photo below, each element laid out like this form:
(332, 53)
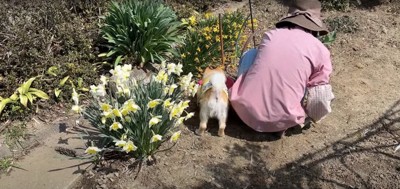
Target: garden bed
(352, 148)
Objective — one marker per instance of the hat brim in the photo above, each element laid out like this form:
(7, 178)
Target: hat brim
(304, 22)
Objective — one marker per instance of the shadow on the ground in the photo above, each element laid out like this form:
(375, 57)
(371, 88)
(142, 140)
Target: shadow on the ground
(235, 128)
(321, 169)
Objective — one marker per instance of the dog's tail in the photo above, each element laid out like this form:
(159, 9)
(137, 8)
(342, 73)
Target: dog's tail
(218, 82)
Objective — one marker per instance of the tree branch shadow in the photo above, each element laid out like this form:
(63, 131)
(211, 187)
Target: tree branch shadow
(355, 161)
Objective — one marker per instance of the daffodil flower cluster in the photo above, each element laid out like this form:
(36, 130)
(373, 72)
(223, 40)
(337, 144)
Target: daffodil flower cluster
(202, 48)
(140, 115)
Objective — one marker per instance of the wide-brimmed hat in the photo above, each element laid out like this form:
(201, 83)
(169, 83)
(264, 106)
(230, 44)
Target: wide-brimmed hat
(306, 14)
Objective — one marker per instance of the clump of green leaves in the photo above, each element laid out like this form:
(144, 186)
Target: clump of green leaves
(329, 38)
(23, 94)
(146, 31)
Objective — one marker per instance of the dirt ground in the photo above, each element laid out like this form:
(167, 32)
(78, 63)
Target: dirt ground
(352, 148)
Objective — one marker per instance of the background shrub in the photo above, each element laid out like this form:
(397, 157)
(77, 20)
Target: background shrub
(335, 4)
(36, 36)
(343, 24)
(143, 30)
(202, 42)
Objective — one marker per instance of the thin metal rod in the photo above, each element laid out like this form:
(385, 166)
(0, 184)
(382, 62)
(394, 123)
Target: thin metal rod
(252, 24)
(222, 41)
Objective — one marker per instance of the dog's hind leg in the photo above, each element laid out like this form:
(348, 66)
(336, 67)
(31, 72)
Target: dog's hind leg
(203, 122)
(222, 125)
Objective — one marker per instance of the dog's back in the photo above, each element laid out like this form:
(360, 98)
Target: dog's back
(215, 99)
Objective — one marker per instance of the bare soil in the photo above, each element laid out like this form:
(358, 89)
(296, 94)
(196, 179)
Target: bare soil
(352, 148)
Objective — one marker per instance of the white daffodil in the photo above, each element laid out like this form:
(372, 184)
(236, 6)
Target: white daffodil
(171, 68)
(154, 120)
(178, 69)
(172, 89)
(179, 121)
(103, 80)
(155, 138)
(77, 109)
(75, 96)
(189, 115)
(120, 143)
(92, 150)
(129, 147)
(100, 91)
(153, 103)
(175, 136)
(115, 126)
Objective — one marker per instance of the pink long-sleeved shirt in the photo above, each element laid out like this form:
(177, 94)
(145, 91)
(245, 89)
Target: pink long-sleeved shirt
(268, 96)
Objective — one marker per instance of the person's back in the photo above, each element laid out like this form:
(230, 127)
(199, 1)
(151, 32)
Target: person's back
(289, 65)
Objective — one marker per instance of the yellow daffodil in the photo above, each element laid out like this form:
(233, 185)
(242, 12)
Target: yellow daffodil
(195, 89)
(115, 126)
(172, 89)
(192, 20)
(207, 15)
(217, 39)
(176, 111)
(129, 106)
(108, 114)
(167, 103)
(154, 120)
(208, 37)
(161, 77)
(75, 96)
(92, 150)
(120, 143)
(185, 104)
(155, 138)
(215, 29)
(189, 115)
(117, 113)
(129, 147)
(77, 109)
(153, 103)
(175, 136)
(105, 107)
(198, 49)
(196, 60)
(207, 46)
(183, 55)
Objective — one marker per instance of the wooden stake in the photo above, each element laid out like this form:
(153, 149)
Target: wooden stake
(221, 41)
(252, 24)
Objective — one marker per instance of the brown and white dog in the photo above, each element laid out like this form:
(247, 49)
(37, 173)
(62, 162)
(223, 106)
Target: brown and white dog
(213, 99)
